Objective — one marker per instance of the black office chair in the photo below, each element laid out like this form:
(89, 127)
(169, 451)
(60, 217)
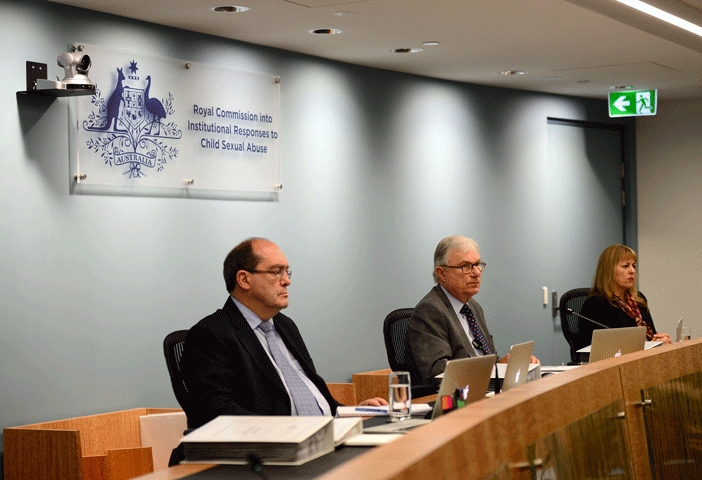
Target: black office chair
(395, 329)
(574, 300)
(173, 351)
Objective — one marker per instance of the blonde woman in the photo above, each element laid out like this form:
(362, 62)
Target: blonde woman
(614, 299)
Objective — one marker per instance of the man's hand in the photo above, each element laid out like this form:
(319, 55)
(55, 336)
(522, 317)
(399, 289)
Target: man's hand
(662, 337)
(533, 359)
(373, 402)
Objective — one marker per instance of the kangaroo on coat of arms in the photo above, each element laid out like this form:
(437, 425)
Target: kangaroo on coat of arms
(132, 126)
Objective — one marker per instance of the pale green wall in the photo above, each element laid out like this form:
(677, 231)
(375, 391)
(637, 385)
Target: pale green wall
(670, 209)
(377, 167)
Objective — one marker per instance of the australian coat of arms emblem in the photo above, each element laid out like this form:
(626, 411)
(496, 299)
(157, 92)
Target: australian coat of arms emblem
(131, 126)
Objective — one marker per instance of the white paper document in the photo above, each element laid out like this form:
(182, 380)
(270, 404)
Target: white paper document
(371, 440)
(417, 408)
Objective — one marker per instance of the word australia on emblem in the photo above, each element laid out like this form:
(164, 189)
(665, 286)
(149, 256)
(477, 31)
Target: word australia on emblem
(130, 127)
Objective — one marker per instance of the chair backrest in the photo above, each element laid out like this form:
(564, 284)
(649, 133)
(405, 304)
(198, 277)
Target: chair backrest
(574, 300)
(173, 350)
(395, 333)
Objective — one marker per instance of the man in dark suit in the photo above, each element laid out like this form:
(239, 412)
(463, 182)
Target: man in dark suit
(448, 323)
(234, 364)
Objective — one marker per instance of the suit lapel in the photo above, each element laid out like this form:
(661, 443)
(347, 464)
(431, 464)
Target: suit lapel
(250, 342)
(292, 341)
(457, 323)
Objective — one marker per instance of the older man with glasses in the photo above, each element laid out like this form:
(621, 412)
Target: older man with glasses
(448, 323)
(247, 358)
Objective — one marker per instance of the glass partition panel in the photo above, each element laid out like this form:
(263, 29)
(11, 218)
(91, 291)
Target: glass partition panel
(592, 448)
(673, 418)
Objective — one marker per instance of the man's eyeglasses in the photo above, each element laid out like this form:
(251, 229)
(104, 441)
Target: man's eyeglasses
(276, 272)
(468, 267)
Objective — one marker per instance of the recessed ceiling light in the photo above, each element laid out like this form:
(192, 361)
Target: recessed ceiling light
(326, 31)
(407, 50)
(513, 72)
(430, 44)
(621, 87)
(230, 9)
(343, 14)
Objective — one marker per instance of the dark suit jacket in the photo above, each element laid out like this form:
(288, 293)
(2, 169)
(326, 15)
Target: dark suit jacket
(598, 308)
(435, 335)
(227, 371)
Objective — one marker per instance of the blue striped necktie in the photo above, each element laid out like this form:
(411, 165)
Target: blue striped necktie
(305, 403)
(475, 330)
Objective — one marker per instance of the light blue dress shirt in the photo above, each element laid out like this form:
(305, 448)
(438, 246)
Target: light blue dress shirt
(253, 321)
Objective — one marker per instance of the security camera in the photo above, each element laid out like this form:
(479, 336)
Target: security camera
(76, 82)
(76, 67)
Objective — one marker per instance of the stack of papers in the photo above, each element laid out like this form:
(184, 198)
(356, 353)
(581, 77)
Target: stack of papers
(271, 440)
(417, 409)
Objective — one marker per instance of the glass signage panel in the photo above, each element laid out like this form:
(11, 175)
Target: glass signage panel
(159, 126)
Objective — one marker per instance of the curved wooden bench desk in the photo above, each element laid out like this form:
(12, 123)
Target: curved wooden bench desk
(480, 439)
(589, 422)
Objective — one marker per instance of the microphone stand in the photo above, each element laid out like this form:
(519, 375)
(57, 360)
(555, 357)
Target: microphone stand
(570, 310)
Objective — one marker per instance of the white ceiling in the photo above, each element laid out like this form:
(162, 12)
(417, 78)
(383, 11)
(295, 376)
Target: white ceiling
(570, 47)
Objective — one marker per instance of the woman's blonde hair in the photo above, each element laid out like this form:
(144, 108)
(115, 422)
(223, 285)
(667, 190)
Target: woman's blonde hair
(604, 275)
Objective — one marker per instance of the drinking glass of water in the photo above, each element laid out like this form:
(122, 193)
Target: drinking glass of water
(685, 333)
(399, 396)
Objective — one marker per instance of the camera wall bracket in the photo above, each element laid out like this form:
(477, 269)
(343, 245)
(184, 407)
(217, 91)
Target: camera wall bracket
(37, 84)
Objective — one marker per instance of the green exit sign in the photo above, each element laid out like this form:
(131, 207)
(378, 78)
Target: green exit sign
(633, 103)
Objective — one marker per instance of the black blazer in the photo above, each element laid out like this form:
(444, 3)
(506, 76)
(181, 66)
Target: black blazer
(598, 308)
(227, 371)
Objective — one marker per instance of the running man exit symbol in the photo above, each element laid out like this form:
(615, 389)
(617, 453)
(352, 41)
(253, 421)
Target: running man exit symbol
(633, 103)
(643, 103)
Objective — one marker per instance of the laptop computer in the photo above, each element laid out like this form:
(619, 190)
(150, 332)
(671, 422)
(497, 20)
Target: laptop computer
(517, 365)
(470, 374)
(678, 332)
(613, 342)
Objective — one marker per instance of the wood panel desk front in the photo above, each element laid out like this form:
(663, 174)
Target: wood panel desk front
(474, 441)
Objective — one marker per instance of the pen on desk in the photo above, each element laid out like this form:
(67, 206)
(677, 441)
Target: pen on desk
(371, 409)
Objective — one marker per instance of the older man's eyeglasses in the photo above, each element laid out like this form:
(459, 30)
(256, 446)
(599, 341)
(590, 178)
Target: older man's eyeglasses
(276, 272)
(468, 267)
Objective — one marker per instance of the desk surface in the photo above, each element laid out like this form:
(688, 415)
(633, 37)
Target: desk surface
(312, 469)
(309, 470)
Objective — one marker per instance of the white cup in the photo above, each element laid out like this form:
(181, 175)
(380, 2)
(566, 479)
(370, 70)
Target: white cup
(399, 396)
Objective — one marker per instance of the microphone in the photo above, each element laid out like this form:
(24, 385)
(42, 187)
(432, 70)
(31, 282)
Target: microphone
(570, 310)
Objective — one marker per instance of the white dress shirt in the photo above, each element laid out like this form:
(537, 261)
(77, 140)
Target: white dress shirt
(457, 306)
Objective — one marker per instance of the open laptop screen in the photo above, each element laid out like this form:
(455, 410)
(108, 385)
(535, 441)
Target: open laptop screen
(613, 342)
(471, 373)
(518, 365)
